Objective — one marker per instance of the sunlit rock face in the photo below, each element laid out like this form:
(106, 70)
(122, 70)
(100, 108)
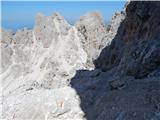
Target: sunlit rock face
(7, 39)
(93, 29)
(48, 28)
(37, 66)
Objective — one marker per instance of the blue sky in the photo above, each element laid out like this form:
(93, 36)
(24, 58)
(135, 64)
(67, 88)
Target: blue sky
(19, 14)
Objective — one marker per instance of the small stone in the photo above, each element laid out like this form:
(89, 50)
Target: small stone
(29, 89)
(116, 84)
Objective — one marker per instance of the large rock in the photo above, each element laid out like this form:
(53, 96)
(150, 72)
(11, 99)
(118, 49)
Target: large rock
(135, 47)
(6, 50)
(41, 59)
(6, 36)
(6, 57)
(93, 29)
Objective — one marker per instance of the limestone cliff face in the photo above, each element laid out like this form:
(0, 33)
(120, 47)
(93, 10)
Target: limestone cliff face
(135, 48)
(45, 59)
(93, 29)
(48, 28)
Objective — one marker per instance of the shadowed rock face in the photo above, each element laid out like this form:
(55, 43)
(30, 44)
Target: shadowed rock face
(135, 48)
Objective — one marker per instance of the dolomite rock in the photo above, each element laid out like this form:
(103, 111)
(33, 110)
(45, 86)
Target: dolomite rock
(6, 39)
(44, 30)
(42, 104)
(93, 29)
(23, 37)
(7, 36)
(42, 61)
(134, 49)
(38, 60)
(6, 55)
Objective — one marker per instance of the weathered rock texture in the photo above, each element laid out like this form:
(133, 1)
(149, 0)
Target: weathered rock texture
(127, 84)
(45, 72)
(135, 48)
(93, 29)
(38, 65)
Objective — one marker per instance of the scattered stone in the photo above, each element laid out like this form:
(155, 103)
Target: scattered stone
(116, 84)
(29, 89)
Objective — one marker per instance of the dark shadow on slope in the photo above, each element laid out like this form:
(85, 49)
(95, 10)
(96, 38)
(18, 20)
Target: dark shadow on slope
(138, 100)
(90, 85)
(89, 88)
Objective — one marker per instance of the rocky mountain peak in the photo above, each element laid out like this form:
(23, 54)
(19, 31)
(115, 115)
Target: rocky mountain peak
(7, 34)
(91, 16)
(57, 15)
(92, 27)
(46, 71)
(48, 28)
